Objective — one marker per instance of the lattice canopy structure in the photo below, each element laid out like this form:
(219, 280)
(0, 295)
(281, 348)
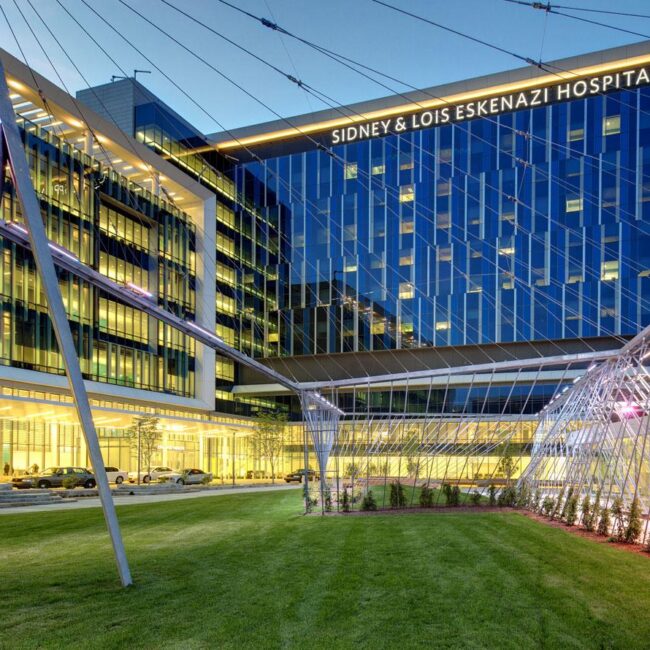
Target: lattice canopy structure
(472, 427)
(593, 437)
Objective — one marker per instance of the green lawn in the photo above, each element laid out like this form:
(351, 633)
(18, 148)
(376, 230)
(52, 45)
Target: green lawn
(247, 571)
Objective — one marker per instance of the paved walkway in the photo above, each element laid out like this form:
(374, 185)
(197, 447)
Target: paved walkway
(122, 500)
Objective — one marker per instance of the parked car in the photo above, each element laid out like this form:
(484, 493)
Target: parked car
(116, 475)
(298, 474)
(153, 475)
(188, 476)
(54, 477)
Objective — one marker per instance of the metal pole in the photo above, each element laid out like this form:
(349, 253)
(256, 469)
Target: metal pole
(232, 453)
(45, 267)
(139, 451)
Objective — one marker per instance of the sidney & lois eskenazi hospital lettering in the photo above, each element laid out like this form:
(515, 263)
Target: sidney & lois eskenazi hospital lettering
(531, 98)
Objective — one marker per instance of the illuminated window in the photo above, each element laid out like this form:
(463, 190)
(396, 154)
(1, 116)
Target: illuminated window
(406, 193)
(575, 277)
(378, 169)
(351, 171)
(443, 220)
(225, 215)
(444, 254)
(225, 333)
(406, 165)
(407, 328)
(378, 327)
(576, 134)
(406, 258)
(443, 188)
(350, 267)
(507, 250)
(574, 205)
(445, 155)
(609, 270)
(405, 290)
(612, 125)
(273, 337)
(442, 325)
(407, 227)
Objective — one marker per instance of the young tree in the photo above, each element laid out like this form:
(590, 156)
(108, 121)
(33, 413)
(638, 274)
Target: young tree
(267, 439)
(507, 464)
(144, 437)
(572, 510)
(633, 528)
(604, 523)
(369, 502)
(410, 451)
(586, 513)
(352, 470)
(492, 495)
(617, 512)
(548, 505)
(567, 501)
(537, 501)
(595, 512)
(558, 504)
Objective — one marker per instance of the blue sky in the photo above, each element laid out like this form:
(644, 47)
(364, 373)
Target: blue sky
(398, 45)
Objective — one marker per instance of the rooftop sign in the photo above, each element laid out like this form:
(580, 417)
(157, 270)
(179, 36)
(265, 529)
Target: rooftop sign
(453, 113)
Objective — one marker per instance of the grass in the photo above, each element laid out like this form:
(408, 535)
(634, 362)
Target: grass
(247, 571)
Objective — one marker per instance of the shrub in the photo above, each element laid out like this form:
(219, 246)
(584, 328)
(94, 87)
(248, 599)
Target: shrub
(397, 495)
(345, 501)
(455, 496)
(565, 507)
(604, 523)
(523, 495)
(492, 495)
(617, 512)
(69, 482)
(537, 501)
(633, 529)
(571, 510)
(507, 497)
(475, 498)
(327, 499)
(548, 506)
(558, 504)
(369, 502)
(586, 513)
(595, 512)
(426, 497)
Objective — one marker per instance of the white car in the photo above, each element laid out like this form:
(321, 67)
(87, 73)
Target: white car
(116, 475)
(188, 476)
(146, 477)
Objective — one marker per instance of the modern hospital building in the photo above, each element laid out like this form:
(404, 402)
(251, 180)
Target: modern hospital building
(497, 218)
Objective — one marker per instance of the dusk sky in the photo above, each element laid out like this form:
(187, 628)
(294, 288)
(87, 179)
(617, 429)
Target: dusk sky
(417, 53)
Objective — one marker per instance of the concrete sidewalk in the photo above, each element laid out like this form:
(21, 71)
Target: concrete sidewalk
(126, 500)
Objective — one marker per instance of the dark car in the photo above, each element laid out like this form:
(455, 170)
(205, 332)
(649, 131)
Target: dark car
(54, 477)
(296, 477)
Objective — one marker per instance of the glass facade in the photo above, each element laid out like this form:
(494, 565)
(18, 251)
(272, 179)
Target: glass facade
(124, 232)
(529, 226)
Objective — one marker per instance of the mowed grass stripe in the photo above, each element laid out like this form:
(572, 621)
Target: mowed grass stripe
(248, 571)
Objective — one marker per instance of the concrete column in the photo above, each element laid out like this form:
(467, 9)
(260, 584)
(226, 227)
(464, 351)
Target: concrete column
(206, 234)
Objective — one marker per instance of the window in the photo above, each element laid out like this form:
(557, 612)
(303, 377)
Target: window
(378, 169)
(574, 205)
(442, 325)
(443, 188)
(609, 270)
(405, 290)
(406, 258)
(406, 193)
(576, 134)
(378, 327)
(612, 125)
(351, 171)
(407, 227)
